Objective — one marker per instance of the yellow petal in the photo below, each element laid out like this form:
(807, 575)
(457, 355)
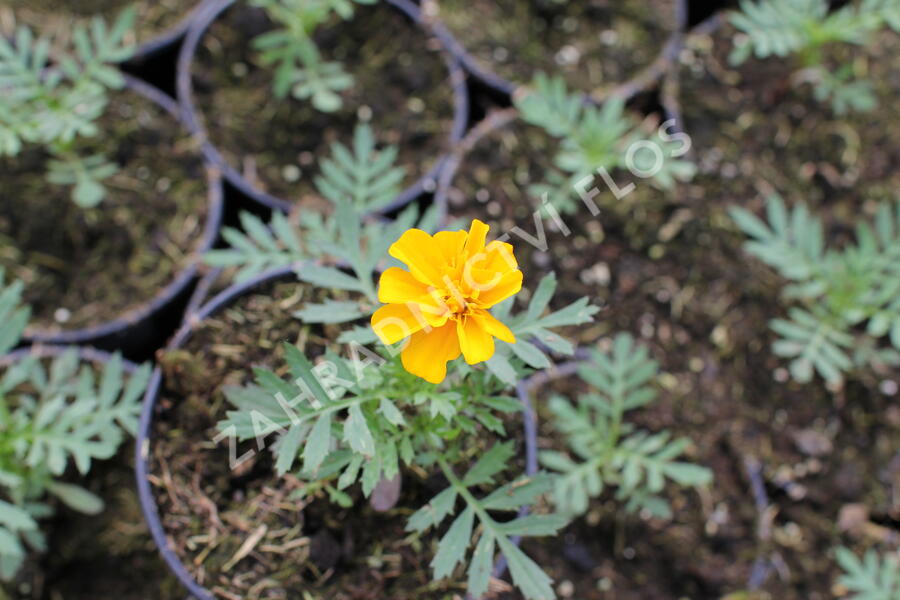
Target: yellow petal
(493, 326)
(424, 257)
(486, 269)
(427, 353)
(393, 322)
(475, 240)
(451, 244)
(475, 342)
(397, 285)
(509, 284)
(500, 256)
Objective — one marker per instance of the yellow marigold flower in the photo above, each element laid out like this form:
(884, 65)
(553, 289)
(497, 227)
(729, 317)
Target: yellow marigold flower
(441, 302)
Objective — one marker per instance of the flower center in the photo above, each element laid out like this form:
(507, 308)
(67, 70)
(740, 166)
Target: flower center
(456, 304)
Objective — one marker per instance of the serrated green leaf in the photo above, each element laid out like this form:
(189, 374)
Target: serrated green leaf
(452, 547)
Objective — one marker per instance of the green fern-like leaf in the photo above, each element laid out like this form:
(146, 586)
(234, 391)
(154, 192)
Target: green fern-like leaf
(792, 242)
(813, 343)
(873, 577)
(13, 314)
(533, 330)
(840, 289)
(780, 28)
(592, 138)
(604, 449)
(368, 178)
(51, 418)
(453, 546)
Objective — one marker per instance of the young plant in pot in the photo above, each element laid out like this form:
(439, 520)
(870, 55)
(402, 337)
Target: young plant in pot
(106, 156)
(553, 155)
(61, 410)
(804, 32)
(844, 317)
(158, 23)
(366, 419)
(302, 75)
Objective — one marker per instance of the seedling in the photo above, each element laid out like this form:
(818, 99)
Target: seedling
(300, 69)
(593, 138)
(805, 29)
(843, 302)
(52, 105)
(53, 417)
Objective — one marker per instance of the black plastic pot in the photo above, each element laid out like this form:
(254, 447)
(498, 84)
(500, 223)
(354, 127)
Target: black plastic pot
(426, 183)
(133, 331)
(148, 414)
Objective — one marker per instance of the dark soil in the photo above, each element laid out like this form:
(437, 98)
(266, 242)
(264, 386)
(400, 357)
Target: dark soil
(669, 269)
(593, 44)
(82, 267)
(401, 89)
(55, 18)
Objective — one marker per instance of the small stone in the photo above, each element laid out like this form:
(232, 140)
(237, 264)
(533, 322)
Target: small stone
(853, 517)
(416, 105)
(62, 315)
(812, 442)
(568, 55)
(239, 69)
(291, 173)
(888, 387)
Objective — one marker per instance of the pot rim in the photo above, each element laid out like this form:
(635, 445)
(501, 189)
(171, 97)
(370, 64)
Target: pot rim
(191, 114)
(169, 36)
(182, 278)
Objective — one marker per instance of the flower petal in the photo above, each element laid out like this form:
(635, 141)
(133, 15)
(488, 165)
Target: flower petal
(427, 353)
(476, 343)
(500, 256)
(451, 244)
(393, 322)
(508, 285)
(477, 235)
(397, 285)
(493, 326)
(424, 257)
